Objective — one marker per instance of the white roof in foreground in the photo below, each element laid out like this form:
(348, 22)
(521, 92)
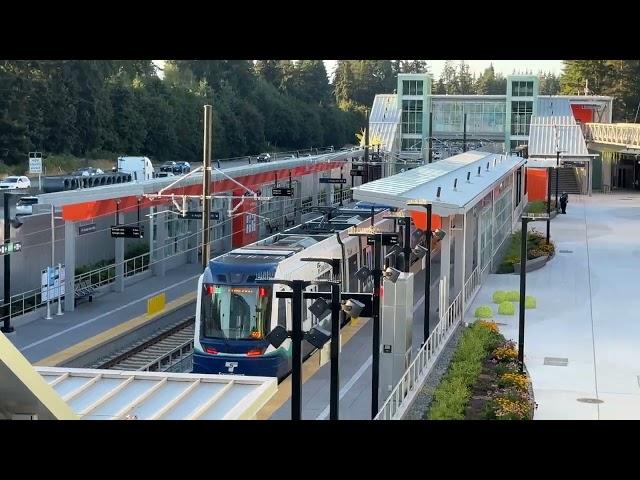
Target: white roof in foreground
(112, 394)
(423, 182)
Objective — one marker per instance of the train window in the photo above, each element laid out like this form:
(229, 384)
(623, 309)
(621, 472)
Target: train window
(353, 268)
(282, 312)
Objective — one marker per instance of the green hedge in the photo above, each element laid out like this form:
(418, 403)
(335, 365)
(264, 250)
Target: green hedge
(513, 296)
(499, 296)
(506, 308)
(453, 394)
(483, 311)
(530, 302)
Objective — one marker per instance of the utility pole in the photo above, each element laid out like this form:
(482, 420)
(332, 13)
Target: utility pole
(375, 366)
(523, 289)
(206, 186)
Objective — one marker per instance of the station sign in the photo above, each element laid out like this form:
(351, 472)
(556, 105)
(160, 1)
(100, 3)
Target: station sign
(90, 228)
(387, 239)
(125, 231)
(197, 215)
(11, 247)
(333, 180)
(282, 192)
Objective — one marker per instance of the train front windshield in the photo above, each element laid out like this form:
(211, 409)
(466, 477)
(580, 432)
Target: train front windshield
(235, 312)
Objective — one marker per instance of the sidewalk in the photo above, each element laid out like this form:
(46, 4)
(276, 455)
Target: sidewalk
(586, 313)
(40, 338)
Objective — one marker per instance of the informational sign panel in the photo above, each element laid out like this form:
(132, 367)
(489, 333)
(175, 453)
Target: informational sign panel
(356, 173)
(387, 240)
(333, 180)
(86, 229)
(282, 192)
(35, 165)
(197, 215)
(11, 247)
(52, 284)
(126, 231)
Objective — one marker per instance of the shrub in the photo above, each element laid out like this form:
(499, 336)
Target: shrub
(518, 380)
(499, 296)
(537, 207)
(483, 311)
(505, 353)
(453, 393)
(513, 296)
(506, 308)
(547, 249)
(530, 301)
(505, 267)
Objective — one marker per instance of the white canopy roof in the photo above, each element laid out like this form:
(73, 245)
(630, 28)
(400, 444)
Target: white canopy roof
(423, 182)
(112, 395)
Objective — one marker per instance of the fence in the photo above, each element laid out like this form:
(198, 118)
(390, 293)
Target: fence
(30, 300)
(409, 385)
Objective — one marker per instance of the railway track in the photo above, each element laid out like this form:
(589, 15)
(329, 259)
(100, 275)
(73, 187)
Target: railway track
(158, 352)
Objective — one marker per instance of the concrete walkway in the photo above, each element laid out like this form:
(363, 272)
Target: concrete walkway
(587, 312)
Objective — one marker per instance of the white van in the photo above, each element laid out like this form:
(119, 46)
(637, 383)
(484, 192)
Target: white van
(140, 168)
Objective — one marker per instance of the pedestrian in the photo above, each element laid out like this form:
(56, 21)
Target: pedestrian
(564, 199)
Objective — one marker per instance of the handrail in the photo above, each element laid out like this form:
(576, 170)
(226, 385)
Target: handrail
(408, 386)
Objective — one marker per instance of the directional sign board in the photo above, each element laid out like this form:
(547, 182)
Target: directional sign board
(356, 173)
(197, 215)
(12, 247)
(387, 239)
(282, 192)
(126, 231)
(35, 165)
(86, 229)
(333, 180)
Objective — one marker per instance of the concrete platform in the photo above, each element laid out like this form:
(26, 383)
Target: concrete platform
(40, 338)
(586, 314)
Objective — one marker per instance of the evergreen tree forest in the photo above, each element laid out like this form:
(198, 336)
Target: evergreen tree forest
(105, 108)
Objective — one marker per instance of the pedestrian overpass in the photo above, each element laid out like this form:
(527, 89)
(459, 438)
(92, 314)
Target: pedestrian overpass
(620, 137)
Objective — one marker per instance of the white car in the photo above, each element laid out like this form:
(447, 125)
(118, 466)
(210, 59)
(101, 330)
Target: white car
(164, 174)
(24, 206)
(13, 183)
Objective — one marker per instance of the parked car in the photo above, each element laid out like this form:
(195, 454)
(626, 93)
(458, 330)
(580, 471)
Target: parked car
(168, 167)
(24, 206)
(165, 174)
(182, 167)
(87, 172)
(14, 183)
(264, 157)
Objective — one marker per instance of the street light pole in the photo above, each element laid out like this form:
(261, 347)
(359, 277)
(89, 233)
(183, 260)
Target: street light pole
(427, 279)
(549, 170)
(296, 338)
(206, 185)
(557, 174)
(375, 366)
(523, 280)
(336, 318)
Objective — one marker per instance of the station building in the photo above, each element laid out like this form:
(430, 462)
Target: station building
(403, 122)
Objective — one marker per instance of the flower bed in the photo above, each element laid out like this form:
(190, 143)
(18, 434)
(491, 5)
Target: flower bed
(536, 248)
(483, 381)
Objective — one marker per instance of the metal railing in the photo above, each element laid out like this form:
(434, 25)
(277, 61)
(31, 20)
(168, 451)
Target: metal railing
(624, 134)
(136, 265)
(409, 385)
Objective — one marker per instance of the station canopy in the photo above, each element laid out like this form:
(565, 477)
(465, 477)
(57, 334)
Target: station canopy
(423, 182)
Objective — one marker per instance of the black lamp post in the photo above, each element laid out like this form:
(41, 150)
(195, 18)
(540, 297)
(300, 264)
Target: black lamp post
(557, 174)
(427, 277)
(523, 281)
(549, 170)
(336, 321)
(377, 239)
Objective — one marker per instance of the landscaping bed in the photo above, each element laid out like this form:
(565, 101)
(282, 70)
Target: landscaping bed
(536, 248)
(483, 382)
